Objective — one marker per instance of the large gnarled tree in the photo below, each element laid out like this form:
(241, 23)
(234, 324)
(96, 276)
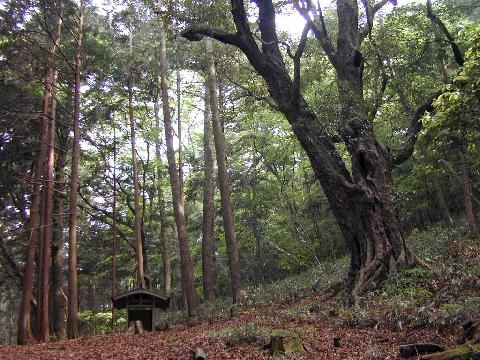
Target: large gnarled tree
(360, 198)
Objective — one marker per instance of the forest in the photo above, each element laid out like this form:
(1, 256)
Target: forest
(239, 179)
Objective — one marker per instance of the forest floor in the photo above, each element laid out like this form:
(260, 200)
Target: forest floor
(420, 305)
(219, 342)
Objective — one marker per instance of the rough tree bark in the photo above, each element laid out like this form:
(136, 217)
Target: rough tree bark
(136, 189)
(24, 335)
(58, 298)
(223, 180)
(114, 224)
(186, 262)
(167, 275)
(179, 134)
(361, 201)
(208, 209)
(72, 298)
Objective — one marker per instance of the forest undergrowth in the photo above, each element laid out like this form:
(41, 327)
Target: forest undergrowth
(424, 304)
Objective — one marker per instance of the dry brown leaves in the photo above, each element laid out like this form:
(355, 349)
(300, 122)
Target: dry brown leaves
(180, 340)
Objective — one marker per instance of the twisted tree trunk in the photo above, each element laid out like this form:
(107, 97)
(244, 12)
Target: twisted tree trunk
(361, 200)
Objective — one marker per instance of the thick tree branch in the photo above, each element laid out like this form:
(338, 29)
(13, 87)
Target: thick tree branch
(266, 20)
(402, 154)
(457, 53)
(296, 63)
(197, 32)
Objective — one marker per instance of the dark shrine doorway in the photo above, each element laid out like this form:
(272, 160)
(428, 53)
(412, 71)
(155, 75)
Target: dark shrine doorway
(142, 313)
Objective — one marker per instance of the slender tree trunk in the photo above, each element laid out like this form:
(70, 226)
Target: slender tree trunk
(58, 299)
(136, 190)
(167, 275)
(180, 145)
(223, 179)
(72, 305)
(186, 262)
(114, 225)
(468, 198)
(208, 208)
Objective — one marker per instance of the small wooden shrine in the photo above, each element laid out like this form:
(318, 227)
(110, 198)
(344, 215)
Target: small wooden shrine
(141, 305)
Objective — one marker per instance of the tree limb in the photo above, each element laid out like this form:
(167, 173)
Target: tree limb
(197, 32)
(403, 153)
(318, 27)
(436, 20)
(296, 63)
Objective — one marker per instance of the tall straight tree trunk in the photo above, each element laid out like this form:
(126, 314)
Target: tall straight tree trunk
(114, 224)
(58, 299)
(167, 275)
(178, 203)
(47, 216)
(72, 301)
(208, 209)
(223, 180)
(136, 189)
(24, 335)
(179, 132)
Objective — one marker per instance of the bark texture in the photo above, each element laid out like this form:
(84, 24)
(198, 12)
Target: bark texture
(208, 206)
(45, 248)
(223, 180)
(136, 188)
(186, 263)
(24, 334)
(58, 297)
(167, 275)
(72, 306)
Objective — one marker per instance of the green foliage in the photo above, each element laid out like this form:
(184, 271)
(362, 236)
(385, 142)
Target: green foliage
(95, 323)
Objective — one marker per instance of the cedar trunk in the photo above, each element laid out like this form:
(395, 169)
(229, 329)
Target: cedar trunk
(223, 180)
(47, 219)
(185, 260)
(208, 208)
(136, 189)
(25, 335)
(167, 275)
(58, 299)
(72, 298)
